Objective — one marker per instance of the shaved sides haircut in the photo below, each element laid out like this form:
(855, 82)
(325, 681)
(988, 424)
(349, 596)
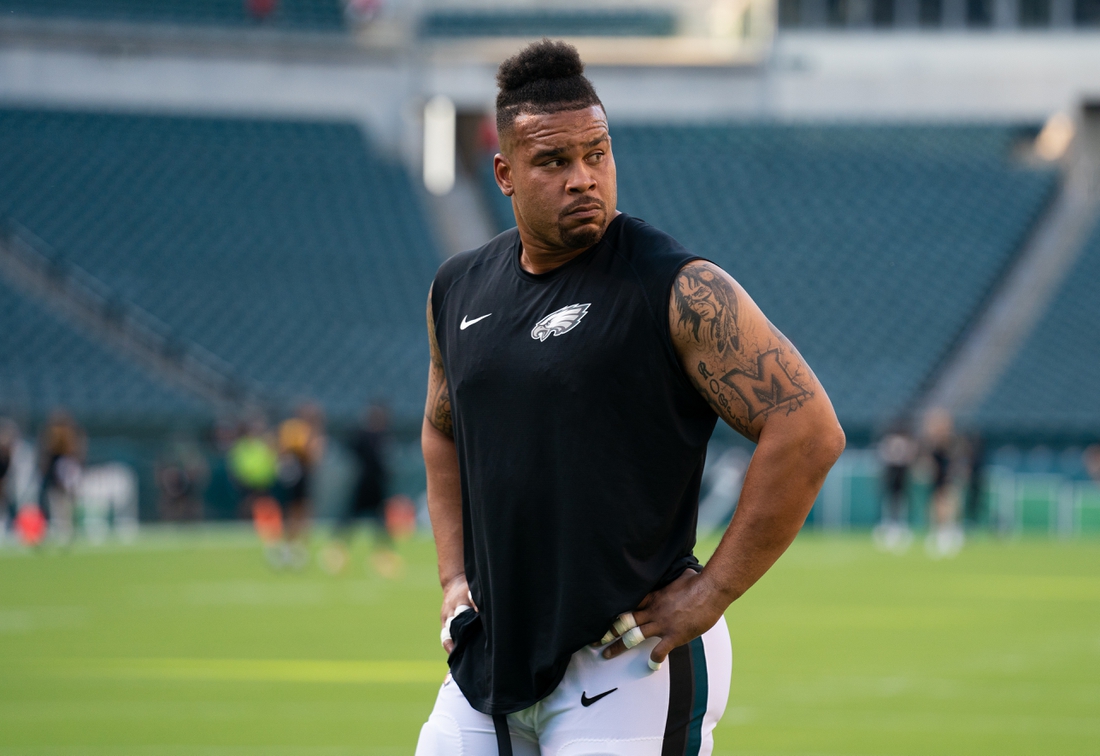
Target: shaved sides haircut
(544, 77)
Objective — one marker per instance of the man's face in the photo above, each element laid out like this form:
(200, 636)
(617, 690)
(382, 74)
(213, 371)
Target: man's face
(559, 172)
(700, 295)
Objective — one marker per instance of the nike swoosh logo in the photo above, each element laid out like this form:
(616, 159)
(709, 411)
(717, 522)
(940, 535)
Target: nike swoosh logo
(586, 701)
(467, 323)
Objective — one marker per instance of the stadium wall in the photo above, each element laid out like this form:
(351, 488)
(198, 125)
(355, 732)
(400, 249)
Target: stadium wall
(808, 76)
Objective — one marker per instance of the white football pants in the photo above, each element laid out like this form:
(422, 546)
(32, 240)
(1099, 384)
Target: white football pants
(602, 707)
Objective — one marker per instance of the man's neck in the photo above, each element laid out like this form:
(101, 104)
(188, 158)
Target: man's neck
(536, 258)
(539, 260)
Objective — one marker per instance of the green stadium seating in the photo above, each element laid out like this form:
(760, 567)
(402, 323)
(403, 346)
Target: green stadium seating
(871, 247)
(292, 251)
(551, 22)
(46, 363)
(290, 15)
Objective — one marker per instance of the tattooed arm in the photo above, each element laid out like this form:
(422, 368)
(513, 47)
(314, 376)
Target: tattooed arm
(757, 382)
(741, 364)
(437, 411)
(444, 491)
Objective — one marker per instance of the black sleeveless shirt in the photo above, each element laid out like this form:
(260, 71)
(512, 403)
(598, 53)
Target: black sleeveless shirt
(580, 446)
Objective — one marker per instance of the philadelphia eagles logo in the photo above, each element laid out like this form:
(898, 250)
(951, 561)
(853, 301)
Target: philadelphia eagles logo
(559, 321)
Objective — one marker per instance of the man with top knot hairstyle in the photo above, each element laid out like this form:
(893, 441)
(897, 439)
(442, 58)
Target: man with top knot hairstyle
(579, 363)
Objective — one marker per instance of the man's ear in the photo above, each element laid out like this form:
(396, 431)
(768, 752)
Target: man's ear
(502, 172)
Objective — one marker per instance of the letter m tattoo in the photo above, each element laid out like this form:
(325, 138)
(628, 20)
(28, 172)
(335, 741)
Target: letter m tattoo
(771, 387)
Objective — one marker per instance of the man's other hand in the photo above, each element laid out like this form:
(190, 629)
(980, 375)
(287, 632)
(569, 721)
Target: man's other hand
(456, 593)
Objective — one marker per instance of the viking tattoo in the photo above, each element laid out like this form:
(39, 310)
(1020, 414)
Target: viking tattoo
(708, 308)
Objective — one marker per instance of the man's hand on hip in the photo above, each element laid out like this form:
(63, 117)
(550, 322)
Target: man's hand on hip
(456, 594)
(681, 611)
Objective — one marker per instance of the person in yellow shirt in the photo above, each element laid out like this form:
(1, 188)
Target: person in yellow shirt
(301, 446)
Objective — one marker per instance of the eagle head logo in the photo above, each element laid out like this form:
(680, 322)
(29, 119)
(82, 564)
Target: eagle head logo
(559, 321)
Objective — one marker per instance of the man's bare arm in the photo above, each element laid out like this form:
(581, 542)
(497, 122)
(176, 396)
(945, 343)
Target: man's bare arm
(444, 489)
(759, 384)
(437, 410)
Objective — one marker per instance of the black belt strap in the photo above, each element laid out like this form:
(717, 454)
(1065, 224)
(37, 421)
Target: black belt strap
(504, 741)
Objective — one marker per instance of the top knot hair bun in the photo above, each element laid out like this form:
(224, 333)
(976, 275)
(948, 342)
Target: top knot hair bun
(545, 77)
(541, 60)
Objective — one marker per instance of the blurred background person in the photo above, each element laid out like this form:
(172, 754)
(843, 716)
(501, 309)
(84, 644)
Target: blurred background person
(945, 537)
(301, 446)
(107, 498)
(182, 475)
(9, 437)
(974, 504)
(1091, 458)
(61, 449)
(254, 467)
(21, 483)
(897, 451)
(369, 444)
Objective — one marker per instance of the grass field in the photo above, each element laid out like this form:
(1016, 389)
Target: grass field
(188, 644)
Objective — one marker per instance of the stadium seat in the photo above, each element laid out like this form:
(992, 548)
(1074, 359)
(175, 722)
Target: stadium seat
(552, 22)
(292, 251)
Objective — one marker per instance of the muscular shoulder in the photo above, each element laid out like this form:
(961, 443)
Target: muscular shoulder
(459, 266)
(654, 256)
(645, 244)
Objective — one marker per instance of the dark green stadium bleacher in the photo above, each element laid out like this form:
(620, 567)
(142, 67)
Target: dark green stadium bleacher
(871, 247)
(1049, 390)
(301, 15)
(551, 22)
(46, 363)
(293, 251)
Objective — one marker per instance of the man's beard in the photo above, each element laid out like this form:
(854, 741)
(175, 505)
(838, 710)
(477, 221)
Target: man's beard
(577, 237)
(580, 236)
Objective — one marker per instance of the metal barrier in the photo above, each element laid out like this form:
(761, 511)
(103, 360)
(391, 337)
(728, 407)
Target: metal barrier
(1012, 502)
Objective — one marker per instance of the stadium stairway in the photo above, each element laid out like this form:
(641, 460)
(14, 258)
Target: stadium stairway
(1047, 392)
(1036, 284)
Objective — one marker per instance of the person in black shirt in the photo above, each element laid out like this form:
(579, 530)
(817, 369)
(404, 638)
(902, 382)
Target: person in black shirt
(61, 456)
(9, 438)
(579, 363)
(368, 444)
(945, 537)
(897, 451)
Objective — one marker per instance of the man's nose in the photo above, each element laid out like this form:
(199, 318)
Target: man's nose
(580, 179)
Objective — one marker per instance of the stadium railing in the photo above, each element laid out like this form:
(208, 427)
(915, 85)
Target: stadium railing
(140, 330)
(1014, 502)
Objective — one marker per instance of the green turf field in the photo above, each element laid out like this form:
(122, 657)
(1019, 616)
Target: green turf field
(189, 644)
